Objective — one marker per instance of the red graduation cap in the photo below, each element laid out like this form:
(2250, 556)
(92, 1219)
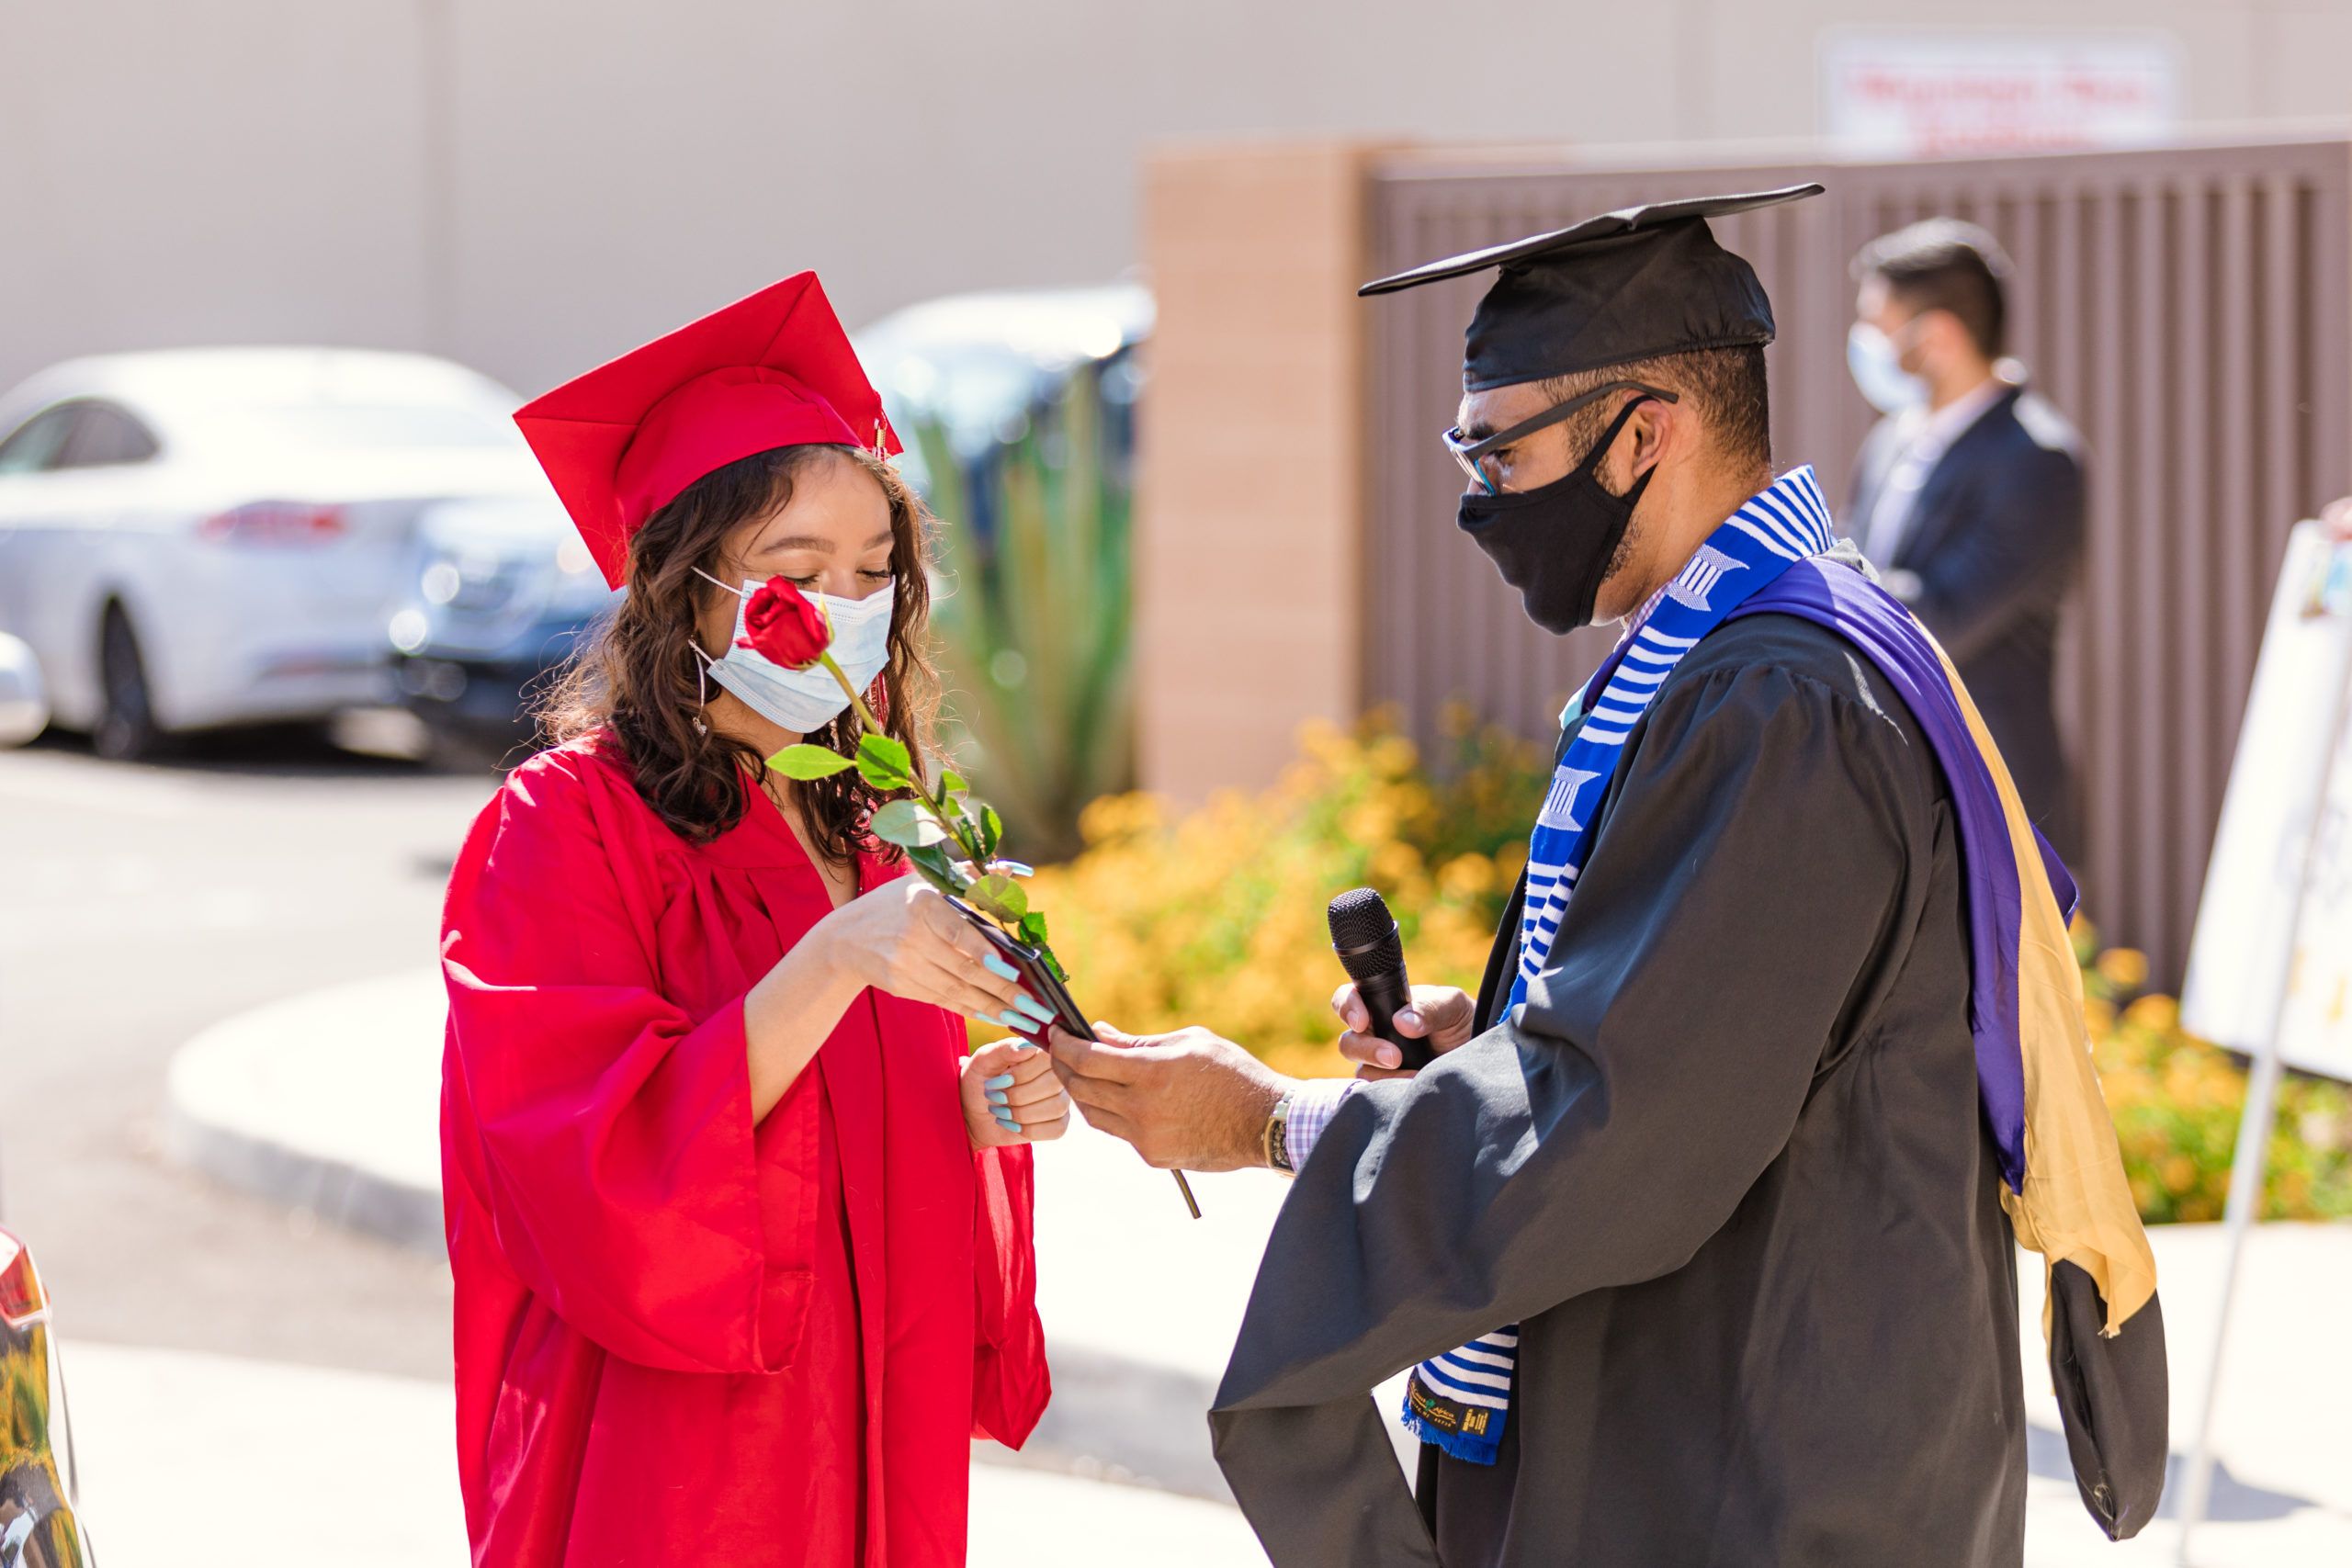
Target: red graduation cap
(773, 370)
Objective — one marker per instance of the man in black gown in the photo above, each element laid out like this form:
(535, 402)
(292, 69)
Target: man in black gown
(1710, 1207)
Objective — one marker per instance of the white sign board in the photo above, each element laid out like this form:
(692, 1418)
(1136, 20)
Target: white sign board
(2289, 809)
(1905, 93)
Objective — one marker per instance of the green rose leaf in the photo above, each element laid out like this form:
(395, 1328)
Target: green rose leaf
(884, 763)
(1032, 932)
(935, 866)
(806, 762)
(907, 824)
(991, 830)
(952, 783)
(999, 896)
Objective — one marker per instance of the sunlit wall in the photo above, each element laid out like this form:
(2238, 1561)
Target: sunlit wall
(531, 184)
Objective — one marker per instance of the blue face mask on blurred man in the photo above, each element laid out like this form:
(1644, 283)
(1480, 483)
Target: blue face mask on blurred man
(1876, 361)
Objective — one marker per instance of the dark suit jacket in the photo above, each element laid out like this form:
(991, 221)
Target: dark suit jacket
(1995, 539)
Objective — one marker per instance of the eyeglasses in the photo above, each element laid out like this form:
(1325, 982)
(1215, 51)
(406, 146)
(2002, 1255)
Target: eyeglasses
(1472, 455)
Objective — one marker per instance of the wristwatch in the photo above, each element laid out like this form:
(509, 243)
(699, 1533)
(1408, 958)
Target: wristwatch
(1278, 1135)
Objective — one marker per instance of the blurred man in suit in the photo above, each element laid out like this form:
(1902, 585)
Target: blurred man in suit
(1968, 495)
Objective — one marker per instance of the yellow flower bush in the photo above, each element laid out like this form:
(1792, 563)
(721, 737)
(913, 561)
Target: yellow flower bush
(2176, 1102)
(1216, 917)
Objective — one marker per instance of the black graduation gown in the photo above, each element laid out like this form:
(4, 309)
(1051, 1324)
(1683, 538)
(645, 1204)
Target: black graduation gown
(1725, 1167)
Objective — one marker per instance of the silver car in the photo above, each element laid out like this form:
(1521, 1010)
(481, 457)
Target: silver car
(198, 537)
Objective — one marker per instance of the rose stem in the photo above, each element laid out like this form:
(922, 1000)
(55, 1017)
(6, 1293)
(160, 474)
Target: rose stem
(938, 805)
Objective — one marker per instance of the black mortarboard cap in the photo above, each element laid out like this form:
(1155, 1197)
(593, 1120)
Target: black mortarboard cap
(1633, 284)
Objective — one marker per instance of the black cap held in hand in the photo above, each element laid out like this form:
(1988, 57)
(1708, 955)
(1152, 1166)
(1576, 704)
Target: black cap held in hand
(1363, 933)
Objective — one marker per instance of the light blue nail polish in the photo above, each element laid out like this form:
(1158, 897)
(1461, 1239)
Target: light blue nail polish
(1000, 968)
(1007, 1122)
(1002, 1080)
(998, 1096)
(1011, 1019)
(1033, 1008)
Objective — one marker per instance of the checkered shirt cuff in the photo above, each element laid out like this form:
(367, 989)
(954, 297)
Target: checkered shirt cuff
(1312, 1106)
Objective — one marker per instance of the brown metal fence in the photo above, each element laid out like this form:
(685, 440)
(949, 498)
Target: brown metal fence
(2190, 309)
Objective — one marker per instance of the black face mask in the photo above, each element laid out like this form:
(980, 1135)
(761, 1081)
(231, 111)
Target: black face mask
(1555, 542)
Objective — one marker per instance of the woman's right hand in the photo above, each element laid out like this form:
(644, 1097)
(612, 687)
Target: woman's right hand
(903, 939)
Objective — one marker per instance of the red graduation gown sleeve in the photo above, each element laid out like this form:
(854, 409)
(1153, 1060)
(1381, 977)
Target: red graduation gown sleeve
(615, 1132)
(1010, 1381)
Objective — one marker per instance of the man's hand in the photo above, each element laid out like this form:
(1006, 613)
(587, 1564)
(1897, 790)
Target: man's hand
(1440, 1014)
(1187, 1100)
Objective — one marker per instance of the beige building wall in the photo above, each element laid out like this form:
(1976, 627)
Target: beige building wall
(1248, 519)
(534, 185)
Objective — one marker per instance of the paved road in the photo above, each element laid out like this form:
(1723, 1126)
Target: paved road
(138, 905)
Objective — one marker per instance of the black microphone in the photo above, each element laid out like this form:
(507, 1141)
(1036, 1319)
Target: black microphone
(1363, 933)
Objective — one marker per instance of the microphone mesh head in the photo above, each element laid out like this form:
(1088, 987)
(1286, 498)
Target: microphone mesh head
(1364, 934)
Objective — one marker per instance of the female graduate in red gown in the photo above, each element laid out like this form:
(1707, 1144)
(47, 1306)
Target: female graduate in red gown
(742, 1243)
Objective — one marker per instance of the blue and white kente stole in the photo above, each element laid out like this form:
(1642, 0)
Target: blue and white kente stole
(1459, 1401)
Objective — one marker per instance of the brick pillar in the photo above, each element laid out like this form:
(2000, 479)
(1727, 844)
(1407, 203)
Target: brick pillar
(1250, 508)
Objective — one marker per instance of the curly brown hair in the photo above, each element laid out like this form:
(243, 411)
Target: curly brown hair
(635, 684)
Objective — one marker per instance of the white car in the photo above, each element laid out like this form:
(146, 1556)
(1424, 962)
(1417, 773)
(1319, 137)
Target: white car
(197, 537)
(24, 703)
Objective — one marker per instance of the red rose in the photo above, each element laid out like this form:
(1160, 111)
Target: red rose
(784, 625)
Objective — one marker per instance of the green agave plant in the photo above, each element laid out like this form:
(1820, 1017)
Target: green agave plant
(1035, 617)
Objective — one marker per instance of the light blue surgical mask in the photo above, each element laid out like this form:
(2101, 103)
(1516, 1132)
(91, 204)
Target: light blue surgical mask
(805, 701)
(1877, 366)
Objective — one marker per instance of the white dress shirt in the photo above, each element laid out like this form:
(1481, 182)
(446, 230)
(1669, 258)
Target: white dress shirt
(1923, 436)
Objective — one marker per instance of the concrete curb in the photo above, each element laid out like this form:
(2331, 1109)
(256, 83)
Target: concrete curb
(347, 1194)
(254, 1100)
(1116, 1418)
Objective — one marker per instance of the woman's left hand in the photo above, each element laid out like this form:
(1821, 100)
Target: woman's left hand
(1011, 1097)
